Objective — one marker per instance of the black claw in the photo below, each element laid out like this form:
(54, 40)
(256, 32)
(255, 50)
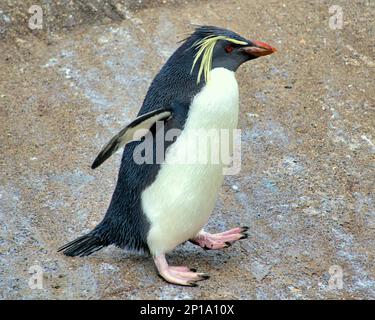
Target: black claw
(228, 244)
(206, 248)
(245, 229)
(193, 270)
(205, 276)
(192, 284)
(244, 236)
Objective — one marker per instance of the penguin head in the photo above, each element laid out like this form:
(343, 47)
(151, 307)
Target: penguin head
(215, 47)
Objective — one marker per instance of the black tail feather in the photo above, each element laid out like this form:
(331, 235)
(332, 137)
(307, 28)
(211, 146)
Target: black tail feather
(82, 246)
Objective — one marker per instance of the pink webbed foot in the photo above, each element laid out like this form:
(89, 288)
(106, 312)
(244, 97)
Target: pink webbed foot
(180, 275)
(213, 241)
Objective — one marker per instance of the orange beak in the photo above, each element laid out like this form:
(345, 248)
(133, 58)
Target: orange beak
(259, 49)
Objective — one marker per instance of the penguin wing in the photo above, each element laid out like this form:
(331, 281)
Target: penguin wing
(135, 130)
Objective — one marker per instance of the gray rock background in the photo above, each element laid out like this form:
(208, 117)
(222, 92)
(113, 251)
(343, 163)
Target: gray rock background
(306, 188)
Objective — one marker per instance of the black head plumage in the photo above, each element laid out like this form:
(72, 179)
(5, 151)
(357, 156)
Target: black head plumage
(177, 80)
(201, 32)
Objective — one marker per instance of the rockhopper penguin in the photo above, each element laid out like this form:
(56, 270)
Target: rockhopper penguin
(158, 205)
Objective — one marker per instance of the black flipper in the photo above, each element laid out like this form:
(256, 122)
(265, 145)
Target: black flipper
(126, 135)
(82, 246)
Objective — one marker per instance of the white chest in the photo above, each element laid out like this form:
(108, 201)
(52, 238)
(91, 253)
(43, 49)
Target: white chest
(216, 106)
(182, 197)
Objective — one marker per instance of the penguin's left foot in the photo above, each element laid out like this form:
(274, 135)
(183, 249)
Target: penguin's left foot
(214, 241)
(180, 275)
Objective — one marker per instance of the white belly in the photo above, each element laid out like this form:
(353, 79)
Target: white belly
(180, 200)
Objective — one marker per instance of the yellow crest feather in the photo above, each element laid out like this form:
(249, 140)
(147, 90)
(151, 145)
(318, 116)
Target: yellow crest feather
(205, 49)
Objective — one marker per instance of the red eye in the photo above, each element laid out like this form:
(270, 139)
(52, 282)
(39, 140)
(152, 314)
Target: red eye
(228, 48)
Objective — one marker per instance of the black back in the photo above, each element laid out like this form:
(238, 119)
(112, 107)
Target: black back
(125, 224)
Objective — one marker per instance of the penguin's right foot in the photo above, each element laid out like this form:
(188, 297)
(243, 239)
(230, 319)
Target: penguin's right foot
(180, 275)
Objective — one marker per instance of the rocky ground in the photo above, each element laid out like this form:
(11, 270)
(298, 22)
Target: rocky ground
(306, 188)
